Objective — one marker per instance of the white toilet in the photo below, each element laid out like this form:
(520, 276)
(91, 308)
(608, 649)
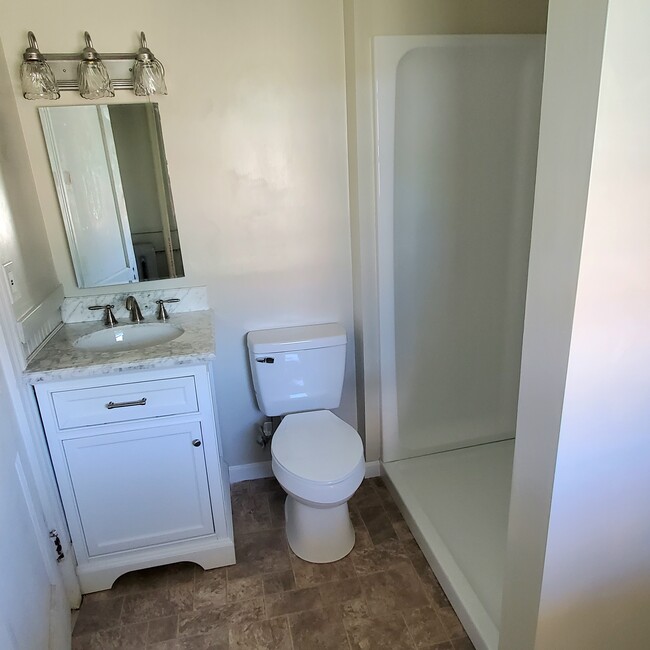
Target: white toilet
(316, 457)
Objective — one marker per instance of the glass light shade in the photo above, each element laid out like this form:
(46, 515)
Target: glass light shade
(94, 82)
(37, 80)
(149, 78)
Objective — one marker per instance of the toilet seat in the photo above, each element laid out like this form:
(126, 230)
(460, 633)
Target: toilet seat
(318, 457)
(317, 446)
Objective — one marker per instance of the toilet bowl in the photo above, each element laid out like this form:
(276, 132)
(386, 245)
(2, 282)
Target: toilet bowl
(318, 460)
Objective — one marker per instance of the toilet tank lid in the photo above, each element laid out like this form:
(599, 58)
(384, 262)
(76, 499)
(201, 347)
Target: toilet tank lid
(306, 337)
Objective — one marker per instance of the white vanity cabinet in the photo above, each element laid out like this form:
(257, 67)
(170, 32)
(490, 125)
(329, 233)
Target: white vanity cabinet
(139, 468)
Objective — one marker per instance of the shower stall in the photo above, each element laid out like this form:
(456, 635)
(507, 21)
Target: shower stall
(457, 122)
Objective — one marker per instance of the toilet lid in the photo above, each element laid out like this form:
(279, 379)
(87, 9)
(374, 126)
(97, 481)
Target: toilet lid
(317, 446)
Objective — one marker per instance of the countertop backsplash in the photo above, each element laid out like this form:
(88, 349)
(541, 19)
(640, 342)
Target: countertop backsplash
(75, 310)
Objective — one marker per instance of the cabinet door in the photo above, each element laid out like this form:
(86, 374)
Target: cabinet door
(140, 487)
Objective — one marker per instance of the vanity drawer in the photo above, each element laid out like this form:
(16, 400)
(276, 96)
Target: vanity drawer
(125, 402)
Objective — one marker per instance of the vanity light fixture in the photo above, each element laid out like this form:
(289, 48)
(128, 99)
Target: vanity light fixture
(36, 76)
(93, 75)
(148, 72)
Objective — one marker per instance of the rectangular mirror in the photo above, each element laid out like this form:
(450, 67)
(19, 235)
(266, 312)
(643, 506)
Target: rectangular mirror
(110, 173)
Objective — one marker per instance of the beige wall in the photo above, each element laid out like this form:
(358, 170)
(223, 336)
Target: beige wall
(363, 20)
(258, 161)
(22, 235)
(257, 157)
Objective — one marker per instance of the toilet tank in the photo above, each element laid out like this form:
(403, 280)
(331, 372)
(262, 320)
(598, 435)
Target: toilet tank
(297, 368)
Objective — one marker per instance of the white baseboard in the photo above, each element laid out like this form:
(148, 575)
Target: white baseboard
(252, 471)
(373, 468)
(249, 472)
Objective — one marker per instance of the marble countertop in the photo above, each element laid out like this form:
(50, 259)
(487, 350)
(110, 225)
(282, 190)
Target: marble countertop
(60, 359)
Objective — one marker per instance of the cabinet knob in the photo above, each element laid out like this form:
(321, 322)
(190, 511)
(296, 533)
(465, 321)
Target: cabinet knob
(196, 442)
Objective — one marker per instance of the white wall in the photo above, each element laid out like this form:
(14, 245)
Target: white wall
(22, 235)
(257, 157)
(578, 555)
(596, 587)
(363, 20)
(572, 72)
(37, 593)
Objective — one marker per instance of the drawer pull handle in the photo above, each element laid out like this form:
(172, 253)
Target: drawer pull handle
(196, 442)
(120, 405)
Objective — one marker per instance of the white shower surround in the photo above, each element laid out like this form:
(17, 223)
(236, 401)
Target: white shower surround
(478, 616)
(527, 52)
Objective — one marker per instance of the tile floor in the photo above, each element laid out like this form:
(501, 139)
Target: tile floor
(382, 595)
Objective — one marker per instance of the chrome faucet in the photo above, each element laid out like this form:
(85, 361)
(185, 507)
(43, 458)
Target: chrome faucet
(162, 312)
(134, 308)
(109, 316)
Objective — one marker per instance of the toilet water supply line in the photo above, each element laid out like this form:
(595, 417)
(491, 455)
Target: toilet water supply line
(267, 429)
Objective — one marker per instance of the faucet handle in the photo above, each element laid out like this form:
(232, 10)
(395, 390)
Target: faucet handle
(162, 312)
(109, 316)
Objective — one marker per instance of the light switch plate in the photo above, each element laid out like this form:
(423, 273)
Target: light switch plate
(14, 289)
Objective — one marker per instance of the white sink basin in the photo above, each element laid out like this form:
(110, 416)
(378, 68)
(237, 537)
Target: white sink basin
(129, 337)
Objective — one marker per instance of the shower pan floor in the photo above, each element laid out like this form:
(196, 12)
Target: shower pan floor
(457, 505)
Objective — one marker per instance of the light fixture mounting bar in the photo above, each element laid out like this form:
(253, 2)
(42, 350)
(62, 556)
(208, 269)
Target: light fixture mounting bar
(119, 66)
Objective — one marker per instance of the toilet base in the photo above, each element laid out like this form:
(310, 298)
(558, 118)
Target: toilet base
(318, 535)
